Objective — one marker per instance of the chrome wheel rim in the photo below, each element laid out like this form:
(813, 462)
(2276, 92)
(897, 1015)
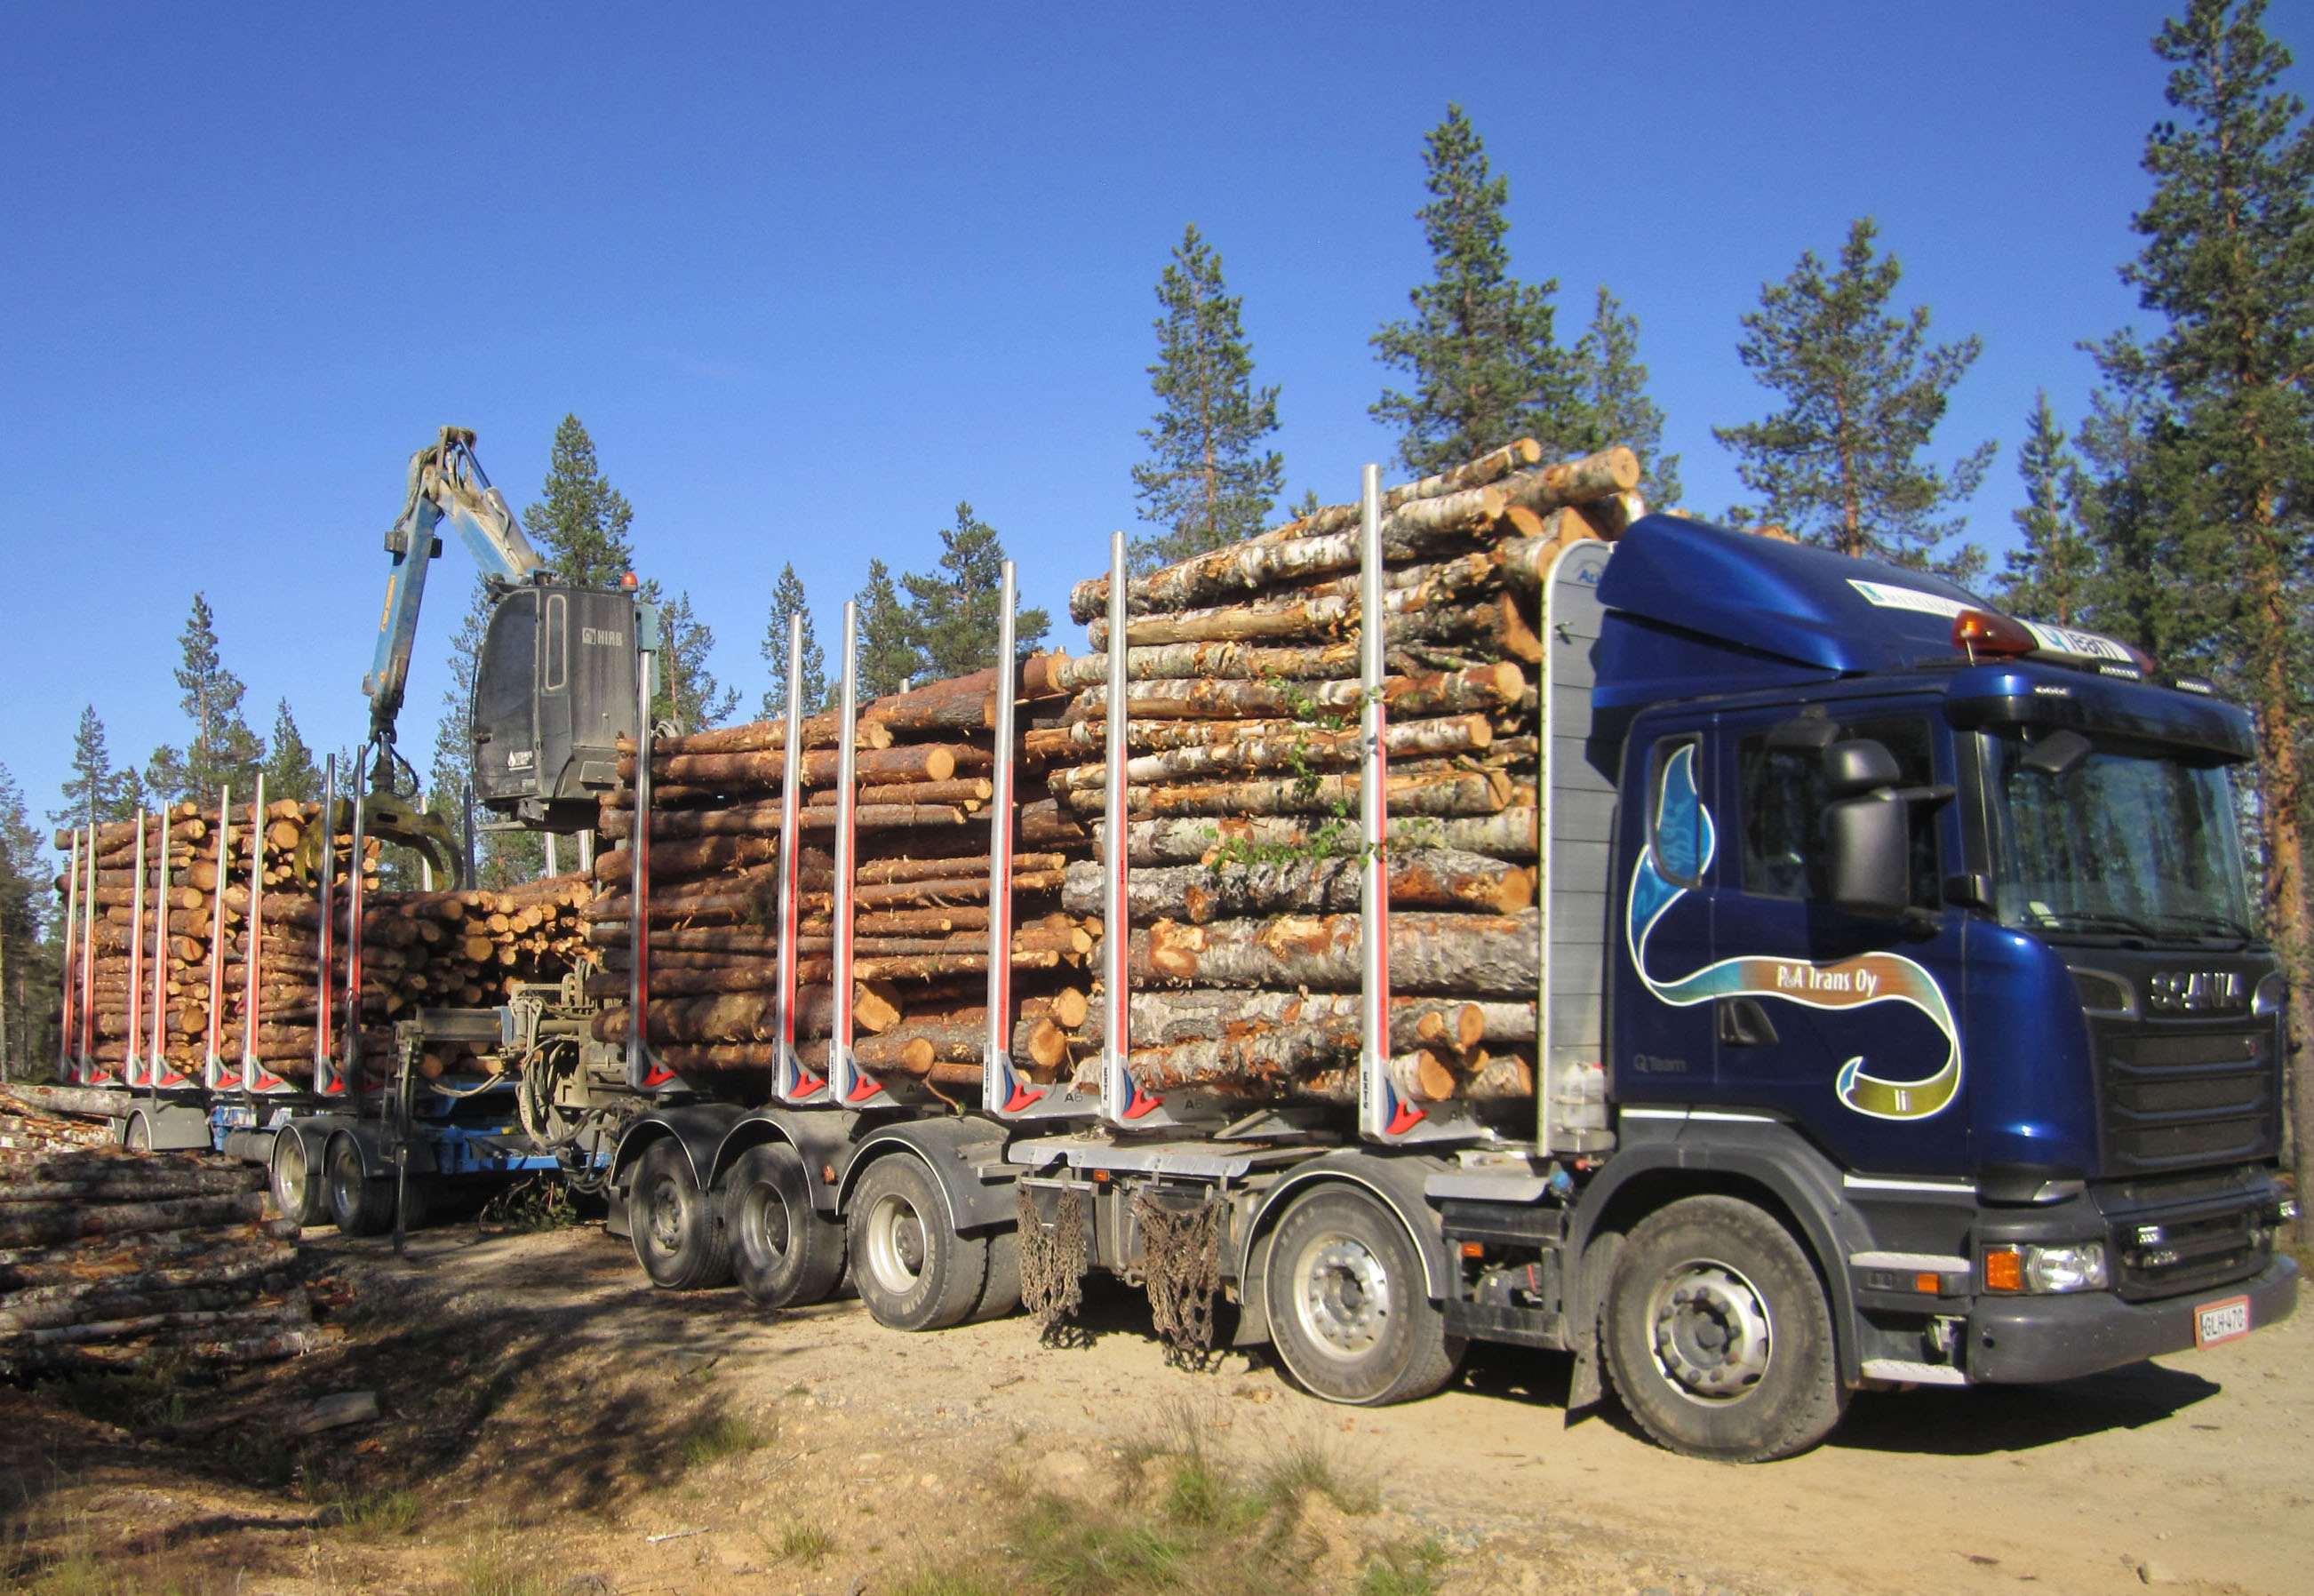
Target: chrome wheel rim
(896, 1243)
(764, 1228)
(290, 1177)
(667, 1214)
(1341, 1295)
(1710, 1332)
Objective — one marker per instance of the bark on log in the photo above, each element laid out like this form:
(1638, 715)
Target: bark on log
(1278, 747)
(1461, 955)
(912, 762)
(1419, 878)
(1481, 689)
(1468, 792)
(1410, 615)
(1455, 1025)
(29, 1223)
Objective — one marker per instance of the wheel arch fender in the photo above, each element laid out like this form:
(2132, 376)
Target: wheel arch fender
(370, 1140)
(1771, 1168)
(169, 1127)
(822, 1139)
(698, 1128)
(953, 1149)
(1396, 1182)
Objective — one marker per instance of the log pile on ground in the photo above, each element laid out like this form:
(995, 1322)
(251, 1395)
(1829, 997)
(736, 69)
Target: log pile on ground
(920, 926)
(1243, 729)
(438, 949)
(109, 1258)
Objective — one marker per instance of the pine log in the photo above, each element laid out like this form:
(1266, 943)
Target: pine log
(1461, 955)
(1491, 467)
(1481, 689)
(1453, 1025)
(960, 703)
(1467, 792)
(1419, 878)
(758, 736)
(128, 1184)
(1288, 747)
(29, 1223)
(912, 762)
(1426, 614)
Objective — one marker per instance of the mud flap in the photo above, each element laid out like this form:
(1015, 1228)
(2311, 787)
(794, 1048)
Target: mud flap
(1585, 1387)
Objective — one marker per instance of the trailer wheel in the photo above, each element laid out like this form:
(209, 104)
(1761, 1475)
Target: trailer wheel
(679, 1237)
(136, 1134)
(359, 1205)
(913, 1271)
(1718, 1337)
(783, 1253)
(1348, 1311)
(297, 1191)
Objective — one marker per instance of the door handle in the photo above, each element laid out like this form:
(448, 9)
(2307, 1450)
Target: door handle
(1745, 1023)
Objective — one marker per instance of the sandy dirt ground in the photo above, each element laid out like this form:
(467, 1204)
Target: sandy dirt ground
(550, 1426)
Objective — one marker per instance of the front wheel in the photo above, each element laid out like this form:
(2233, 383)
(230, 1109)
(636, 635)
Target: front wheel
(1349, 1312)
(913, 1271)
(679, 1236)
(783, 1253)
(1718, 1336)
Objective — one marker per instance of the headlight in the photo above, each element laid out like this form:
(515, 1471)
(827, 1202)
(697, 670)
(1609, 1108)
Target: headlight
(2078, 1267)
(2034, 1267)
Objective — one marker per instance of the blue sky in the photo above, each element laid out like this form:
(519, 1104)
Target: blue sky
(811, 275)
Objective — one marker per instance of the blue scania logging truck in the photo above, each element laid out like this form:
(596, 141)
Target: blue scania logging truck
(1903, 1024)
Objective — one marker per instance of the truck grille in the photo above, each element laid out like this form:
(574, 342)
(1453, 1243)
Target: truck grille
(2190, 1233)
(2189, 1098)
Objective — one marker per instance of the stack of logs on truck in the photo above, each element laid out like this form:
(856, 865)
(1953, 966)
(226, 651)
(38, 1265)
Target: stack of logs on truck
(164, 932)
(1241, 723)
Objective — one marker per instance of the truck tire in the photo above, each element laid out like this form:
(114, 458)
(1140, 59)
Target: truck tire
(999, 1293)
(360, 1205)
(913, 1271)
(136, 1134)
(299, 1191)
(783, 1252)
(1718, 1337)
(1348, 1311)
(679, 1236)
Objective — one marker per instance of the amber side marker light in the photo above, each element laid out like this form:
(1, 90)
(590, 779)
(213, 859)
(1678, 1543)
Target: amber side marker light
(1982, 635)
(2004, 1270)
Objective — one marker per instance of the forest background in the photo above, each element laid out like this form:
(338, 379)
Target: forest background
(814, 314)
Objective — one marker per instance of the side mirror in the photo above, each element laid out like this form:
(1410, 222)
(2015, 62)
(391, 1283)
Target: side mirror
(1867, 830)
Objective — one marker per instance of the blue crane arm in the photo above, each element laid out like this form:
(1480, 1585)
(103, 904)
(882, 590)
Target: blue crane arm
(445, 484)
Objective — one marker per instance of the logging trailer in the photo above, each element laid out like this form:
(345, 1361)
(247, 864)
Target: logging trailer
(1900, 1025)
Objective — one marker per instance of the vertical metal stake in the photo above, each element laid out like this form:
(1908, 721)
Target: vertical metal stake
(355, 874)
(213, 1064)
(1001, 1091)
(1121, 1102)
(131, 1065)
(68, 976)
(791, 1082)
(156, 1060)
(1381, 1110)
(845, 1082)
(249, 1068)
(325, 1066)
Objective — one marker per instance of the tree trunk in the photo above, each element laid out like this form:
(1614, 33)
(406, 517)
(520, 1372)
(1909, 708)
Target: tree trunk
(1464, 955)
(1467, 792)
(1512, 834)
(1419, 878)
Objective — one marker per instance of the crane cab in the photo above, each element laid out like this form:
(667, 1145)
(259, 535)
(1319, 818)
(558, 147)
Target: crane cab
(554, 690)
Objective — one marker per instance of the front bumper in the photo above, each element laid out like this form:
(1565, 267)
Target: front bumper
(2022, 1340)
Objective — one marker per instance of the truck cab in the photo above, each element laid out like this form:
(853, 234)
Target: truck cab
(1929, 927)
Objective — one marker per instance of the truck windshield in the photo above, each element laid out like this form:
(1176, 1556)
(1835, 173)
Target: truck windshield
(2127, 843)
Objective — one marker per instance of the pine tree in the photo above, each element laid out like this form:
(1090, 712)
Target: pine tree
(952, 612)
(1863, 392)
(690, 698)
(1486, 365)
(290, 772)
(787, 600)
(2051, 576)
(96, 792)
(581, 522)
(1613, 391)
(1206, 480)
(28, 980)
(2227, 264)
(888, 658)
(222, 748)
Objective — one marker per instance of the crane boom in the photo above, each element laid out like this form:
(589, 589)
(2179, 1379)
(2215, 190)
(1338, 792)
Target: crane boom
(446, 483)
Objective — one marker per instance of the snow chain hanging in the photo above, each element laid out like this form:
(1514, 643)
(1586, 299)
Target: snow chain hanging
(1181, 1263)
(1053, 1258)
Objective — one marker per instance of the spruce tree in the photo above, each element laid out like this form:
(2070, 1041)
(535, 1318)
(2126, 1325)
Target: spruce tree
(2228, 266)
(2051, 576)
(94, 792)
(689, 697)
(952, 611)
(1863, 392)
(581, 522)
(888, 659)
(1486, 365)
(28, 984)
(290, 772)
(222, 748)
(787, 600)
(1207, 481)
(1613, 391)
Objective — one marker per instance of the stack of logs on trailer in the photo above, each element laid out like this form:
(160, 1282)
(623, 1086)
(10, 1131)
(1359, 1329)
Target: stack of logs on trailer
(109, 1257)
(435, 949)
(1242, 730)
(920, 925)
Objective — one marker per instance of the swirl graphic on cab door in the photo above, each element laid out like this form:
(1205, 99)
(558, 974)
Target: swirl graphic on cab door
(1683, 825)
